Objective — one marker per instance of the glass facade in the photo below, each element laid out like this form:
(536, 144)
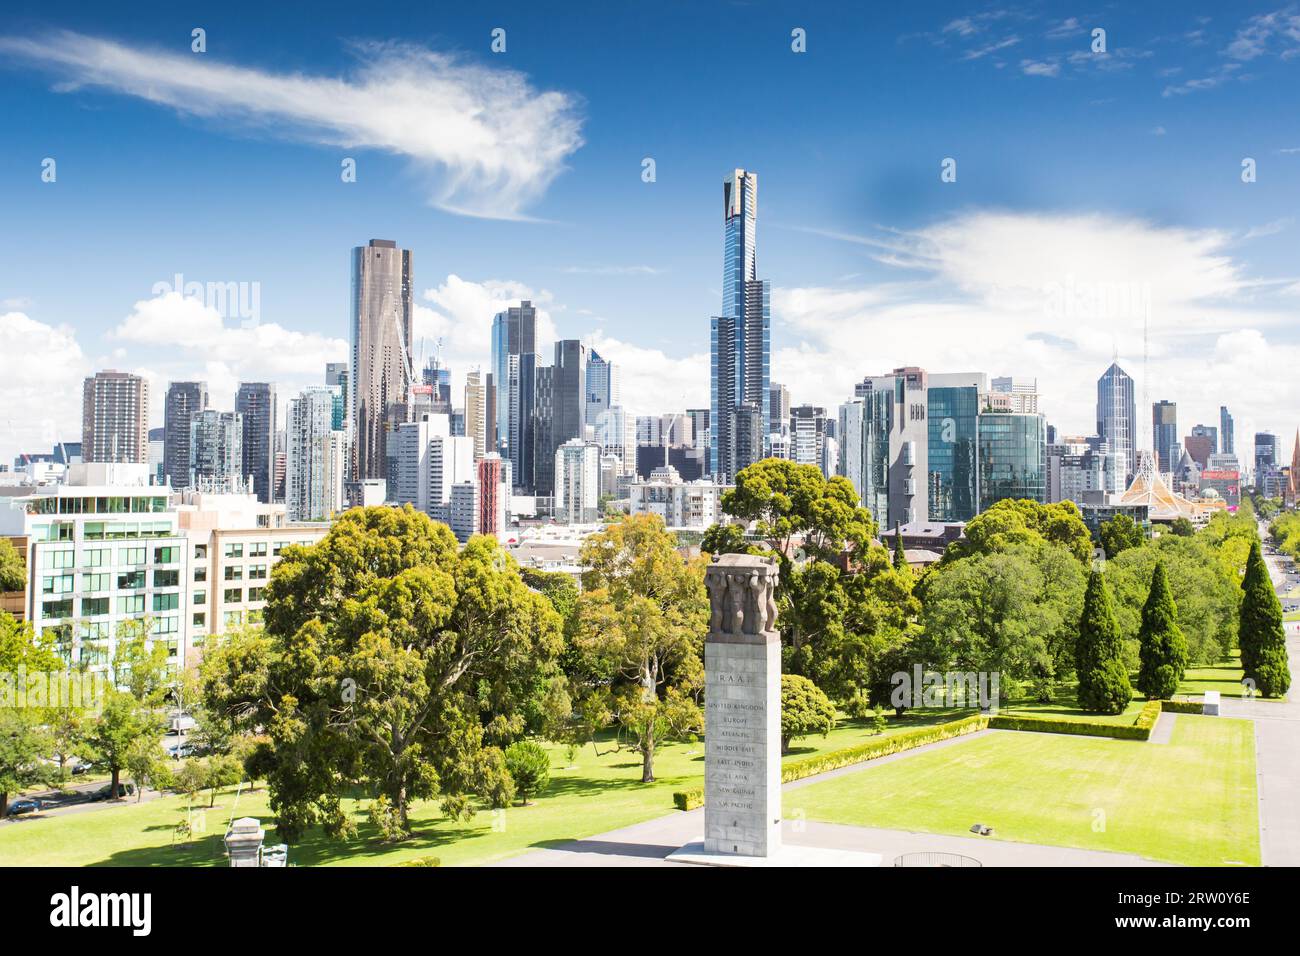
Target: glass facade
(1012, 458)
(952, 436)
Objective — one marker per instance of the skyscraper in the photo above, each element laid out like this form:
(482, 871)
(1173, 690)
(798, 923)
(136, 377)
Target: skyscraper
(1164, 432)
(1117, 415)
(184, 400)
(316, 457)
(1226, 443)
(604, 389)
(336, 374)
(493, 495)
(380, 379)
(560, 410)
(476, 423)
(514, 365)
(255, 403)
(739, 338)
(115, 417)
(216, 450)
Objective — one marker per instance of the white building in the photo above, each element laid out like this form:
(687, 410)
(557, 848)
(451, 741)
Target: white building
(316, 456)
(428, 461)
(685, 505)
(462, 510)
(577, 482)
(615, 432)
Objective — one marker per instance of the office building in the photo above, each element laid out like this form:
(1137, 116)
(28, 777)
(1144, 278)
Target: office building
(807, 434)
(1012, 458)
(1226, 444)
(1014, 394)
(740, 339)
(1164, 432)
(381, 373)
(476, 423)
(316, 457)
(577, 482)
(463, 509)
(256, 407)
(560, 408)
(115, 418)
(514, 365)
(184, 400)
(216, 447)
(1117, 414)
(604, 386)
(493, 495)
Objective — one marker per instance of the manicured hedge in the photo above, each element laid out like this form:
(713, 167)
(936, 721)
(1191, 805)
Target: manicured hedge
(1139, 730)
(1182, 706)
(688, 799)
(881, 747)
(421, 861)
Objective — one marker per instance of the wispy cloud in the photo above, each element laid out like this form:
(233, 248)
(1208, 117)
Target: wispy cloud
(1039, 68)
(1276, 32)
(487, 141)
(613, 270)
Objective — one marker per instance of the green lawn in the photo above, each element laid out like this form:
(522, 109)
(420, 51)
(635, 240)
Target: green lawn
(1191, 801)
(1064, 706)
(1224, 677)
(598, 793)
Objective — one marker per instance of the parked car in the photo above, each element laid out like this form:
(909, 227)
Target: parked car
(179, 751)
(19, 807)
(182, 723)
(79, 768)
(106, 791)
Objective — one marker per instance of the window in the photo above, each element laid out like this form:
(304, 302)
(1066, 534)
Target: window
(233, 595)
(200, 574)
(57, 584)
(58, 559)
(165, 625)
(279, 545)
(233, 618)
(166, 602)
(200, 552)
(234, 549)
(130, 580)
(166, 555)
(200, 597)
(96, 582)
(166, 579)
(199, 620)
(255, 594)
(130, 556)
(256, 572)
(91, 607)
(96, 557)
(255, 616)
(95, 631)
(62, 608)
(131, 604)
(234, 572)
(257, 549)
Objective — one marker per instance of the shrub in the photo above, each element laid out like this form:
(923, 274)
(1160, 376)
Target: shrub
(1181, 706)
(688, 799)
(1139, 730)
(530, 766)
(422, 861)
(805, 709)
(880, 747)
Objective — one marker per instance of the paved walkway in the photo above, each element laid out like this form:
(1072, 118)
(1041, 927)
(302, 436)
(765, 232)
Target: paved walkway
(1163, 731)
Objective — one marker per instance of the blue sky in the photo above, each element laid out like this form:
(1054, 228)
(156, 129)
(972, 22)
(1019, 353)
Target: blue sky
(520, 174)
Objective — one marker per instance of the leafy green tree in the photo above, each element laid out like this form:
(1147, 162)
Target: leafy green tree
(1260, 630)
(13, 572)
(191, 778)
(20, 647)
(1182, 527)
(222, 770)
(1162, 648)
(122, 724)
(1119, 534)
(1103, 679)
(530, 768)
(900, 556)
(805, 709)
(140, 665)
(24, 744)
(1018, 522)
(147, 766)
(393, 659)
(642, 618)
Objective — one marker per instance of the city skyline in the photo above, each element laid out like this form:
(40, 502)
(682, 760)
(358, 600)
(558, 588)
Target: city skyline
(999, 272)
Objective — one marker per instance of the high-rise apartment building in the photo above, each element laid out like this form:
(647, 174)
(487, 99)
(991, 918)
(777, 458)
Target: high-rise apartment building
(216, 451)
(316, 457)
(514, 367)
(184, 400)
(577, 482)
(1164, 433)
(807, 434)
(1117, 415)
(255, 405)
(476, 423)
(381, 372)
(115, 418)
(493, 495)
(1014, 394)
(1227, 445)
(740, 339)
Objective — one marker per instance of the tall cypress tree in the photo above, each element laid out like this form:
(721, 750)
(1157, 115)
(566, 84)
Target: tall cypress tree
(900, 556)
(1260, 632)
(1099, 654)
(1162, 648)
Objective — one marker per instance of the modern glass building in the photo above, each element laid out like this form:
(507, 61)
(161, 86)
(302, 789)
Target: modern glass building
(740, 342)
(1164, 430)
(255, 405)
(514, 367)
(1012, 458)
(382, 309)
(1117, 414)
(184, 401)
(953, 436)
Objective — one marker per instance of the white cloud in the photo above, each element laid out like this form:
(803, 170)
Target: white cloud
(489, 142)
(41, 370)
(1268, 32)
(1054, 297)
(1040, 68)
(653, 382)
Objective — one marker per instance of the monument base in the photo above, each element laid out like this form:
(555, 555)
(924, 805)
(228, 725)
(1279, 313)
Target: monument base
(787, 855)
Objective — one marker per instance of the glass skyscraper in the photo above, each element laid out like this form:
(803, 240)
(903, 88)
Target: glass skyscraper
(740, 339)
(1012, 458)
(514, 367)
(380, 382)
(953, 433)
(1117, 415)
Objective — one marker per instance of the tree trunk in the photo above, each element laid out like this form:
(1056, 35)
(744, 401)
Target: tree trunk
(116, 779)
(648, 757)
(785, 744)
(402, 815)
(4, 803)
